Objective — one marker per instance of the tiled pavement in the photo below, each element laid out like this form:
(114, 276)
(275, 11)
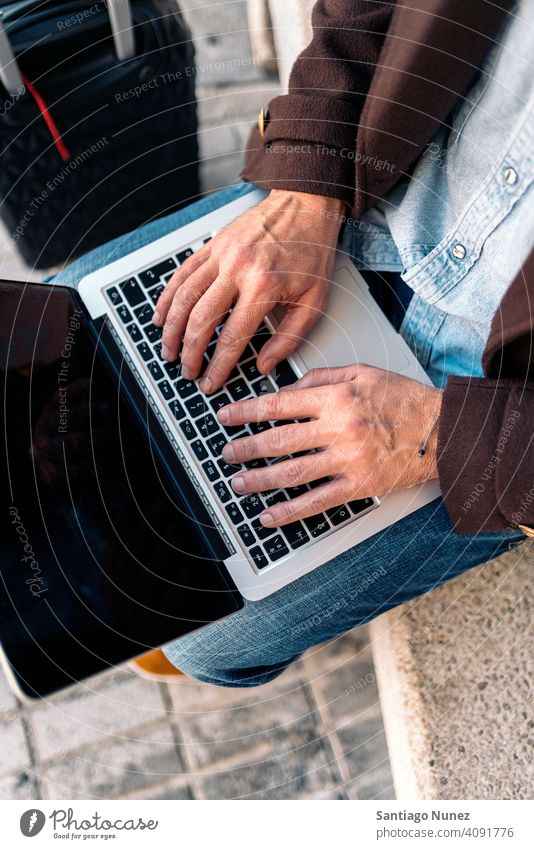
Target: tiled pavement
(314, 733)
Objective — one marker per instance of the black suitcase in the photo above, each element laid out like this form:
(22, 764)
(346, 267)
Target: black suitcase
(93, 145)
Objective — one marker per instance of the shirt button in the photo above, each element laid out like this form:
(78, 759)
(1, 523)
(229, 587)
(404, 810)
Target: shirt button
(458, 251)
(510, 175)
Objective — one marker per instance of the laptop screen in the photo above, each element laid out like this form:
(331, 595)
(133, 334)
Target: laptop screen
(100, 558)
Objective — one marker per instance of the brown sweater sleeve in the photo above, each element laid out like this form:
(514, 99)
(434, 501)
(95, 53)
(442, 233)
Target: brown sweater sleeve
(486, 435)
(310, 139)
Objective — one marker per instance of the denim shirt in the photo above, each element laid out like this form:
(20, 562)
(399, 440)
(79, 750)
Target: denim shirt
(461, 225)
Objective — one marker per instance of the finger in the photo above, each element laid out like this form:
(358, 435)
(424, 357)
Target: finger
(336, 492)
(208, 312)
(178, 279)
(276, 406)
(184, 300)
(245, 319)
(292, 472)
(296, 325)
(325, 376)
(276, 442)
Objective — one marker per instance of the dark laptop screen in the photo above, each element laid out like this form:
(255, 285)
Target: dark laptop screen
(100, 557)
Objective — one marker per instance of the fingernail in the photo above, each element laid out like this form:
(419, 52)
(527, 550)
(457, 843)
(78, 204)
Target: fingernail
(223, 415)
(156, 318)
(207, 385)
(268, 366)
(187, 374)
(238, 484)
(266, 519)
(165, 352)
(228, 452)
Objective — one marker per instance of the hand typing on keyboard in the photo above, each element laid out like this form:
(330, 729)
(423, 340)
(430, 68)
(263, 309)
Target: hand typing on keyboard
(281, 251)
(364, 427)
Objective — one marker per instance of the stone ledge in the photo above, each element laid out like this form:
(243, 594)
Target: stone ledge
(455, 673)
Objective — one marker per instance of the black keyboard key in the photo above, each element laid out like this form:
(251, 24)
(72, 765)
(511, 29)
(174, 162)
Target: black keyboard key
(295, 533)
(265, 386)
(238, 389)
(207, 425)
(173, 370)
(145, 351)
(251, 505)
(260, 337)
(276, 547)
(284, 374)
(144, 314)
(155, 370)
(222, 492)
(166, 390)
(200, 449)
(234, 513)
(152, 275)
(219, 401)
(196, 406)
(317, 525)
(134, 332)
(275, 498)
(183, 255)
(177, 410)
(132, 292)
(250, 370)
(260, 531)
(320, 481)
(227, 469)
(259, 558)
(212, 472)
(295, 491)
(216, 444)
(157, 351)
(207, 239)
(114, 296)
(338, 515)
(153, 333)
(186, 388)
(246, 535)
(188, 430)
(360, 505)
(259, 427)
(124, 314)
(258, 463)
(155, 293)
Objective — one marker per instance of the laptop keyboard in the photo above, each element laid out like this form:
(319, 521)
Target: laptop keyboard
(133, 301)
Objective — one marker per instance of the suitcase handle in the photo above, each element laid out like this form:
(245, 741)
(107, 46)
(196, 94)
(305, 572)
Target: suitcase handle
(120, 15)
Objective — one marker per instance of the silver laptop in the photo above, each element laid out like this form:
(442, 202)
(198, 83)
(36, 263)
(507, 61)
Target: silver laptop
(353, 329)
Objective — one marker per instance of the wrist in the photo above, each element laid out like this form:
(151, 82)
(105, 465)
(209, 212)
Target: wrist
(429, 443)
(327, 207)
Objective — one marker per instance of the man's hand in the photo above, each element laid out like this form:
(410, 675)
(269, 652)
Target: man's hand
(281, 251)
(367, 426)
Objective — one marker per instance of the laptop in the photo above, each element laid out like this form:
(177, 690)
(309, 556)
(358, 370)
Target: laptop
(122, 531)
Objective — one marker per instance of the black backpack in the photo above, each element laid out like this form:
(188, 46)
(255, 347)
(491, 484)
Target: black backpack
(93, 146)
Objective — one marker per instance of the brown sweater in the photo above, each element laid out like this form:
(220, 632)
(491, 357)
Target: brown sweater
(375, 83)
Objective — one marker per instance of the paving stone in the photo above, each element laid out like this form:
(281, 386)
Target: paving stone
(375, 784)
(14, 752)
(116, 768)
(8, 701)
(364, 747)
(23, 785)
(165, 792)
(234, 103)
(347, 687)
(222, 43)
(91, 713)
(304, 771)
(280, 722)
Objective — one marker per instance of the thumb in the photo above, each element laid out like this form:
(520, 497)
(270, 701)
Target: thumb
(326, 376)
(297, 323)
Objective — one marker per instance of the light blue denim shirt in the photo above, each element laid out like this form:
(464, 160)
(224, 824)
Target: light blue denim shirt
(460, 226)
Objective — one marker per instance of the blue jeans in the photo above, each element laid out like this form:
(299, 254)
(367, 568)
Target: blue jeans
(401, 562)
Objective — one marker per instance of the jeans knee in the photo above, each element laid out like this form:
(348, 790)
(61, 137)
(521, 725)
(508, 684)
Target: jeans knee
(202, 665)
